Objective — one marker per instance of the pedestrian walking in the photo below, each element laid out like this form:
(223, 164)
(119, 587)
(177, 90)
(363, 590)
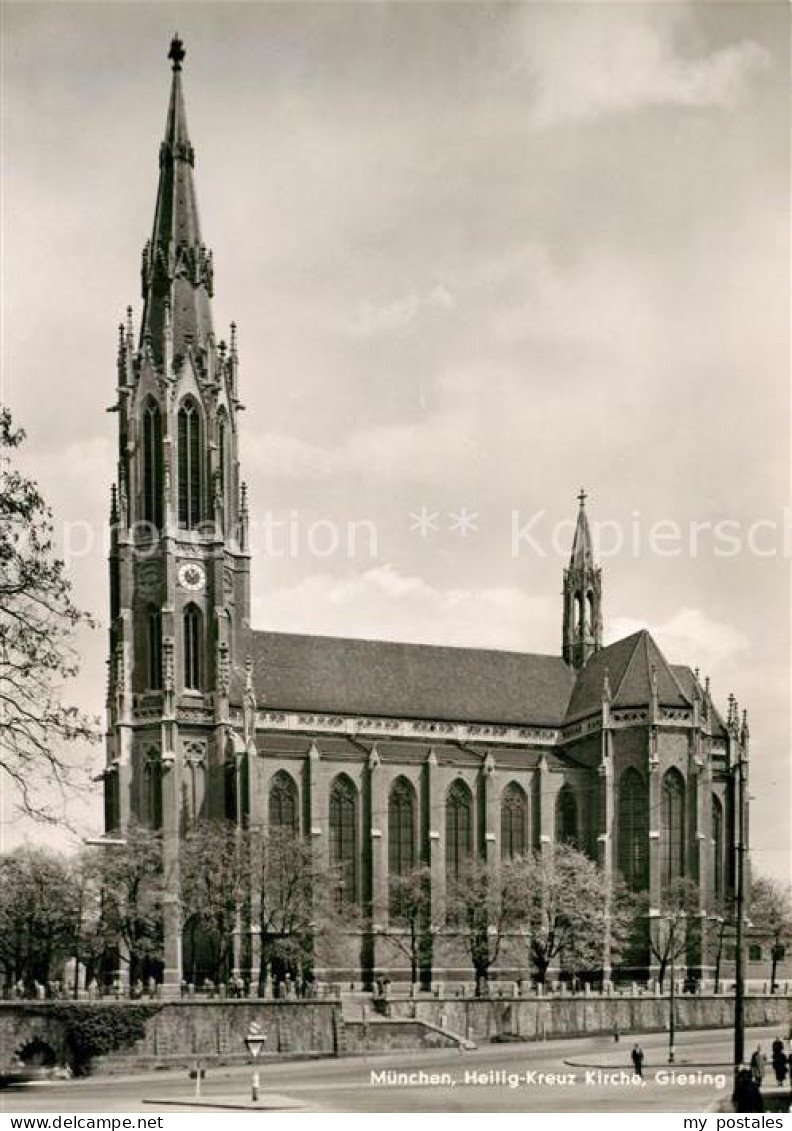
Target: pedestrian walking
(758, 1062)
(637, 1056)
(780, 1061)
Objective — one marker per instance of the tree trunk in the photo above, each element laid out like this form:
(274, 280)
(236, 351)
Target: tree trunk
(661, 973)
(414, 944)
(718, 957)
(541, 965)
(482, 981)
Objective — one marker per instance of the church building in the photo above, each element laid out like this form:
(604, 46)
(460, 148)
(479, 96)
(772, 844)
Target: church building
(383, 755)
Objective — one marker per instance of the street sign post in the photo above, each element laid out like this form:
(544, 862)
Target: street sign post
(255, 1040)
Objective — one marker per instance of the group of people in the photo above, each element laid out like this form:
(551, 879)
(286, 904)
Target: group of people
(748, 1082)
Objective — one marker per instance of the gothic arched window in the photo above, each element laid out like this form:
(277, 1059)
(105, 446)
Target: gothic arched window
(192, 647)
(154, 790)
(459, 830)
(190, 465)
(344, 837)
(717, 846)
(152, 464)
(514, 822)
(566, 817)
(194, 781)
(401, 828)
(633, 830)
(578, 615)
(154, 629)
(673, 832)
(283, 807)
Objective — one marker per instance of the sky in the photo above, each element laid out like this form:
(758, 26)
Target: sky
(480, 255)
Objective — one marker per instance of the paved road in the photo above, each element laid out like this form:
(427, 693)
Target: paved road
(547, 1076)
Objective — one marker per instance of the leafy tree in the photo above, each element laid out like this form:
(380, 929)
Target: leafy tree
(298, 903)
(413, 918)
(38, 622)
(213, 876)
(721, 923)
(771, 915)
(565, 897)
(483, 906)
(95, 1030)
(674, 929)
(38, 915)
(133, 885)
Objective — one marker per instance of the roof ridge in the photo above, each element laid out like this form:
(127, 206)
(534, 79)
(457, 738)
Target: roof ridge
(408, 644)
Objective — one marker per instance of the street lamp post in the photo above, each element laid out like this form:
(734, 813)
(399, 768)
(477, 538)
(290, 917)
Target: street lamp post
(254, 1042)
(739, 980)
(672, 1003)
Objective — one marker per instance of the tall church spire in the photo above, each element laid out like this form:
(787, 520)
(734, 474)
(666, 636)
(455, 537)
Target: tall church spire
(177, 269)
(582, 635)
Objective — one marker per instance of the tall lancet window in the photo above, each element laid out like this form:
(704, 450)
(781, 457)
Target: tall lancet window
(154, 790)
(632, 834)
(344, 838)
(673, 835)
(190, 459)
(566, 817)
(154, 650)
(514, 822)
(152, 464)
(459, 830)
(283, 809)
(717, 846)
(192, 647)
(401, 829)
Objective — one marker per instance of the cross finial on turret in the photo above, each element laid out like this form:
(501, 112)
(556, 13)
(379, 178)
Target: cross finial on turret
(177, 52)
(582, 496)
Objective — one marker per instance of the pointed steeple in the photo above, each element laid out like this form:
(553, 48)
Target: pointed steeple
(582, 556)
(582, 634)
(176, 269)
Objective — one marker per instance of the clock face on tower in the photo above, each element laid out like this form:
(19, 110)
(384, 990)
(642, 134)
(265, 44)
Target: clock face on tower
(192, 576)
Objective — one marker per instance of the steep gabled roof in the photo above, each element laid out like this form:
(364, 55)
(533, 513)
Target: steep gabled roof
(379, 677)
(629, 664)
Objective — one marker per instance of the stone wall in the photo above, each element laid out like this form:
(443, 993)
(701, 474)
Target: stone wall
(536, 1018)
(380, 1035)
(214, 1031)
(181, 1032)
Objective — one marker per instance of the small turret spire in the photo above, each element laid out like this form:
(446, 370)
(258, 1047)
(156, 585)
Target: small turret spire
(582, 635)
(582, 556)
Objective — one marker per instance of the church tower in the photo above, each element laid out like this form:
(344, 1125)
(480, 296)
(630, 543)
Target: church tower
(179, 561)
(582, 596)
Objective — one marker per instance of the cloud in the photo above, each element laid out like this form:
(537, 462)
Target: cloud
(690, 636)
(407, 452)
(616, 61)
(599, 305)
(398, 316)
(385, 604)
